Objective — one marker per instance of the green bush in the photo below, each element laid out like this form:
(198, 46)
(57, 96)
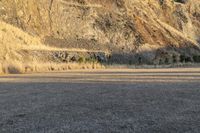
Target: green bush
(81, 60)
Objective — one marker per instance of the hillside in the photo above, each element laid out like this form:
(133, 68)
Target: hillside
(21, 52)
(133, 31)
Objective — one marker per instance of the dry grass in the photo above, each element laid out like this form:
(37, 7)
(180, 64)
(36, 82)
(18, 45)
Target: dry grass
(40, 67)
(13, 67)
(13, 40)
(1, 69)
(18, 67)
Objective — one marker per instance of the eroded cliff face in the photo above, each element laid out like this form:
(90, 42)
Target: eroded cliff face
(147, 29)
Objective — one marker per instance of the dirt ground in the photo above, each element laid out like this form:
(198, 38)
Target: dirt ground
(128, 101)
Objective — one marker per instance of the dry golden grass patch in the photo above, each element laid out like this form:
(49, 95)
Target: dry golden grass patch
(31, 67)
(11, 67)
(13, 40)
(45, 67)
(1, 68)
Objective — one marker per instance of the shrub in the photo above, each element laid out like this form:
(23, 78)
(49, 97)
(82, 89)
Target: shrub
(185, 59)
(130, 62)
(174, 59)
(166, 61)
(161, 2)
(188, 59)
(196, 58)
(90, 60)
(182, 58)
(161, 62)
(81, 60)
(140, 60)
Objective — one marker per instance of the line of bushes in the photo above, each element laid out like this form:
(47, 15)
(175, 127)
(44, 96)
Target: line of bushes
(179, 59)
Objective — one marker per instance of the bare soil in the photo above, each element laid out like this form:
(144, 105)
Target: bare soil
(129, 101)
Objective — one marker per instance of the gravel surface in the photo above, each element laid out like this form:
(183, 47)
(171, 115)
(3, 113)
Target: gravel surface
(103, 101)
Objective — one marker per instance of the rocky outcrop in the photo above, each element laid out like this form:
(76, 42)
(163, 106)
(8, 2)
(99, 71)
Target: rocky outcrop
(132, 30)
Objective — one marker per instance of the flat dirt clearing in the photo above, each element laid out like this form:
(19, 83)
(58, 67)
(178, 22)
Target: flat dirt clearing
(135, 101)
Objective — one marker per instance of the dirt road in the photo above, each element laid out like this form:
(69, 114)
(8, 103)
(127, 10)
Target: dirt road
(102, 101)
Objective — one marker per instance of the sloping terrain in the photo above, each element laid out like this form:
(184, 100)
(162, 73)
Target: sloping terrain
(134, 31)
(21, 52)
(12, 41)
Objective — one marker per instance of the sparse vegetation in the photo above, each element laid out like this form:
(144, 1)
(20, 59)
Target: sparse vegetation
(16, 56)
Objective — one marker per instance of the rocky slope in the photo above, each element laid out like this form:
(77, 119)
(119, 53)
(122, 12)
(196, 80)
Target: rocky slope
(133, 31)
